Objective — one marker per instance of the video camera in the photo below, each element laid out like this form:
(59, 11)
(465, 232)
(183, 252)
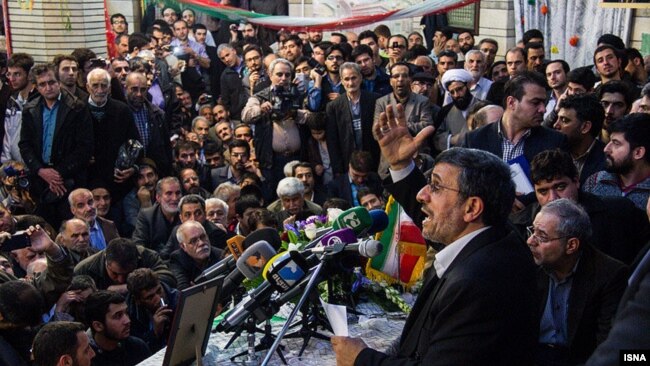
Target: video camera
(285, 100)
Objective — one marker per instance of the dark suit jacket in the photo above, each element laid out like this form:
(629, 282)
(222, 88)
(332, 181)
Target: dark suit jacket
(541, 138)
(152, 229)
(114, 129)
(339, 187)
(72, 144)
(482, 310)
(340, 134)
(233, 95)
(108, 229)
(631, 323)
(619, 228)
(595, 161)
(597, 287)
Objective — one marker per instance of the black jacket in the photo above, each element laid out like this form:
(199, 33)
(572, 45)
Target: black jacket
(482, 310)
(159, 149)
(216, 236)
(185, 268)
(152, 230)
(340, 132)
(233, 95)
(597, 287)
(72, 143)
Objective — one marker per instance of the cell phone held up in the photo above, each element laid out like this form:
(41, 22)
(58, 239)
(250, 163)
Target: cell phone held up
(18, 240)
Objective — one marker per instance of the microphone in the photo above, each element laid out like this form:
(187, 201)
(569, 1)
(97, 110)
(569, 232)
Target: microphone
(379, 221)
(223, 266)
(250, 304)
(252, 261)
(285, 270)
(345, 235)
(236, 245)
(355, 218)
(270, 235)
(368, 248)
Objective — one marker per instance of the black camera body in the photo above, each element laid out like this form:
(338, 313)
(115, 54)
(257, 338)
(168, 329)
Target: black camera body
(285, 100)
(22, 181)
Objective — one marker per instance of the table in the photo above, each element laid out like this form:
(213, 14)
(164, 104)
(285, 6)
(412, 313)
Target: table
(376, 327)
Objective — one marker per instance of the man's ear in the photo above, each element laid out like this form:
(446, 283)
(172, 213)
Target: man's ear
(473, 209)
(97, 326)
(65, 360)
(510, 102)
(572, 245)
(639, 153)
(586, 127)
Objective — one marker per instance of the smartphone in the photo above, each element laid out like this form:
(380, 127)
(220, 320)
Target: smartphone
(18, 240)
(162, 302)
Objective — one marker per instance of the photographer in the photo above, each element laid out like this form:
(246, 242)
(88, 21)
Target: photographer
(276, 112)
(15, 188)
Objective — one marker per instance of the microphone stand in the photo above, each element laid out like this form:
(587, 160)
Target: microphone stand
(311, 318)
(265, 342)
(313, 281)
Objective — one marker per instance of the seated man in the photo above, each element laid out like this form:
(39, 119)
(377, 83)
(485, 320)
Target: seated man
(75, 236)
(371, 200)
(194, 255)
(580, 286)
(313, 192)
(110, 267)
(107, 317)
(82, 206)
(141, 196)
(192, 184)
(192, 208)
(62, 343)
(216, 211)
(359, 175)
(292, 200)
(151, 307)
(21, 306)
(244, 206)
(620, 229)
(155, 224)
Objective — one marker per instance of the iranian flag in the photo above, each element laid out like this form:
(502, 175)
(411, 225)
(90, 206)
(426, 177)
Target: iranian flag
(404, 249)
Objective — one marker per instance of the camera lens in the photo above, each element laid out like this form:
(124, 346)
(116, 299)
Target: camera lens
(23, 183)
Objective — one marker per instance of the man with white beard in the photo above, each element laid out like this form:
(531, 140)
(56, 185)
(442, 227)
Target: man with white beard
(475, 64)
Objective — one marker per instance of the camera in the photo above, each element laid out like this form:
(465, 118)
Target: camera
(98, 63)
(20, 180)
(285, 100)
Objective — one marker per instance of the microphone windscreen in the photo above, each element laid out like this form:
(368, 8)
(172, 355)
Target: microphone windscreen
(379, 221)
(286, 270)
(267, 234)
(252, 261)
(236, 245)
(355, 218)
(370, 248)
(342, 236)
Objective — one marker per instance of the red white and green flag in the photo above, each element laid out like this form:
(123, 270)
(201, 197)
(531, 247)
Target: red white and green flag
(404, 249)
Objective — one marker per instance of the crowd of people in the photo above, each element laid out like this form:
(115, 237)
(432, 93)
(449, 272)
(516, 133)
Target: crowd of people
(124, 178)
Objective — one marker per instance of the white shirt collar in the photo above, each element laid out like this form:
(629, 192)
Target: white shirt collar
(446, 256)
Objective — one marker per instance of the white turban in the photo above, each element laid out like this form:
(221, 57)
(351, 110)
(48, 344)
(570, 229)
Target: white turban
(452, 75)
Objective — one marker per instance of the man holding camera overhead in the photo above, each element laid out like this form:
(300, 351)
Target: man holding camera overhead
(279, 121)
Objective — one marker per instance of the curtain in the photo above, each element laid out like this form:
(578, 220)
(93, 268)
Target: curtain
(566, 19)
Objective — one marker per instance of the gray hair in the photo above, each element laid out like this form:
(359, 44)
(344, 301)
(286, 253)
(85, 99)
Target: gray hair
(290, 186)
(280, 61)
(645, 92)
(199, 118)
(218, 202)
(486, 176)
(288, 168)
(180, 233)
(166, 180)
(225, 190)
(224, 46)
(481, 116)
(76, 192)
(475, 52)
(98, 72)
(350, 66)
(573, 221)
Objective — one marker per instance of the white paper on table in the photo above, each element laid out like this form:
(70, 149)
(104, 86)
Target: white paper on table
(521, 180)
(338, 317)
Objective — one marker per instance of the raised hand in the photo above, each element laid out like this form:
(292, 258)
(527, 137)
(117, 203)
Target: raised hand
(396, 143)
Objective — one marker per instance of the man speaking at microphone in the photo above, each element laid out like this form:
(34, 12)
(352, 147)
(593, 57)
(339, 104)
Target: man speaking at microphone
(478, 303)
